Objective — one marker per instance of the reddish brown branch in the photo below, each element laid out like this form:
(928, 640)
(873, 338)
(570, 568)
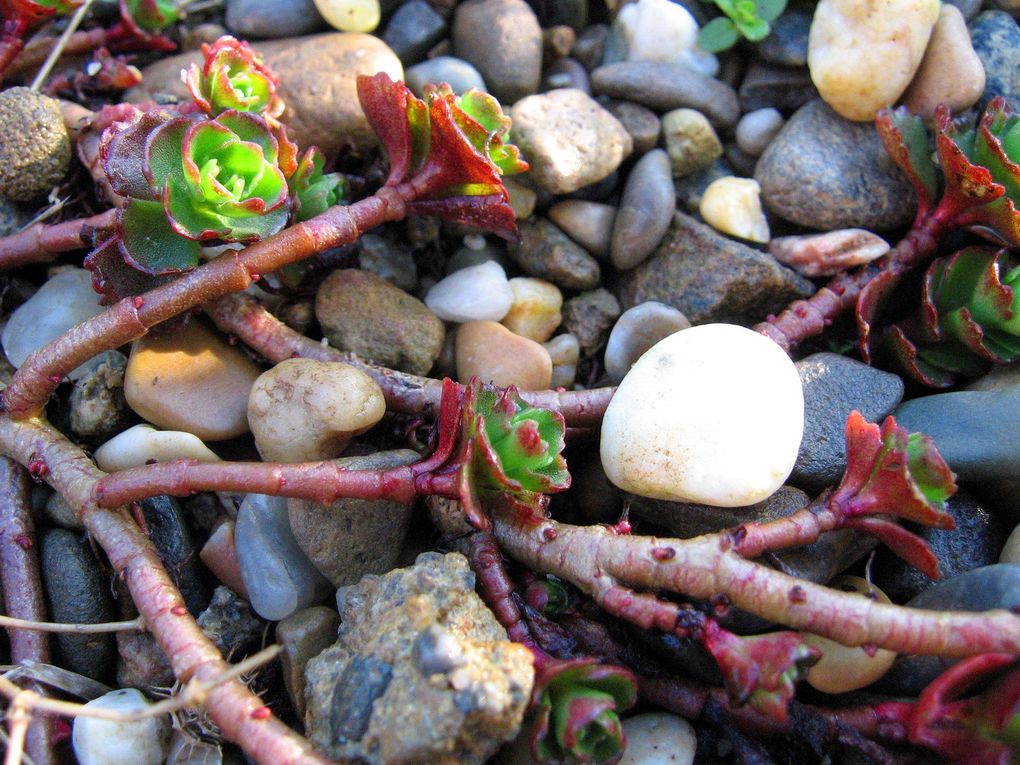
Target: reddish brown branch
(239, 713)
(41, 243)
(243, 316)
(23, 595)
(596, 560)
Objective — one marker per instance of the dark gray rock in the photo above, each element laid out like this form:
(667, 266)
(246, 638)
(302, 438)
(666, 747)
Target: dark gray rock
(826, 172)
(503, 39)
(566, 73)
(643, 125)
(834, 386)
(975, 542)
(662, 86)
(976, 432)
(389, 258)
(996, 39)
(77, 592)
(273, 18)
(780, 87)
(413, 30)
(711, 278)
(230, 623)
(590, 45)
(983, 589)
(589, 317)
(572, 13)
(645, 212)
(787, 43)
(545, 252)
(12, 216)
(169, 532)
(967, 8)
(691, 188)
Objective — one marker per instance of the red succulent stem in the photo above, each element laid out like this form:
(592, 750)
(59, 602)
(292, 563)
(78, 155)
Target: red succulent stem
(41, 243)
(37, 50)
(22, 590)
(497, 589)
(12, 41)
(244, 317)
(322, 482)
(132, 317)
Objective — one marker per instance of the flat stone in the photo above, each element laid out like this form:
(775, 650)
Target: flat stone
(492, 353)
(279, 577)
(503, 40)
(976, 432)
(645, 212)
(713, 414)
(77, 592)
(413, 29)
(776, 87)
(995, 36)
(351, 538)
(711, 278)
(545, 252)
(304, 635)
(142, 444)
(191, 380)
(834, 386)
(275, 18)
(787, 43)
(828, 254)
(663, 86)
(825, 172)
(570, 141)
(641, 122)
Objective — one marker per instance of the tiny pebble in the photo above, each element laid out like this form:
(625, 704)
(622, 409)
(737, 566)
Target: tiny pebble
(564, 352)
(475, 293)
(829, 253)
(691, 141)
(756, 130)
(733, 206)
(590, 224)
(108, 742)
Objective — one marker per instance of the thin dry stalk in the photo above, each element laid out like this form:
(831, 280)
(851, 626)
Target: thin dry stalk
(79, 629)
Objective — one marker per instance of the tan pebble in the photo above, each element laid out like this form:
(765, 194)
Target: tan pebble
(951, 72)
(535, 312)
(829, 253)
(522, 198)
(493, 353)
(733, 206)
(565, 351)
(844, 668)
(191, 380)
(220, 556)
(303, 410)
(590, 224)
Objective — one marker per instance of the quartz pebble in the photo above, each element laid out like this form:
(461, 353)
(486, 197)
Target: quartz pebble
(847, 668)
(109, 742)
(733, 206)
(142, 444)
(564, 352)
(827, 254)
(66, 299)
(950, 73)
(637, 330)
(756, 130)
(535, 312)
(350, 15)
(691, 141)
(475, 293)
(303, 410)
(660, 30)
(860, 59)
(277, 574)
(658, 738)
(713, 414)
(646, 210)
(191, 380)
(494, 354)
(590, 224)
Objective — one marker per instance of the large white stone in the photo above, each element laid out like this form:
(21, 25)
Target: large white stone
(109, 742)
(862, 55)
(712, 414)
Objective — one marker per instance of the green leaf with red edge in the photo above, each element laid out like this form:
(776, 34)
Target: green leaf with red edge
(122, 152)
(315, 192)
(906, 141)
(762, 670)
(150, 15)
(873, 296)
(150, 244)
(577, 706)
(482, 119)
(385, 104)
(233, 77)
(31, 12)
(163, 163)
(113, 278)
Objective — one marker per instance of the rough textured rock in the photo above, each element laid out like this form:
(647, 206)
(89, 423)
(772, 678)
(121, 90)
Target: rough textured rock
(711, 278)
(98, 407)
(422, 672)
(996, 39)
(303, 636)
(36, 151)
(230, 623)
(589, 316)
(545, 252)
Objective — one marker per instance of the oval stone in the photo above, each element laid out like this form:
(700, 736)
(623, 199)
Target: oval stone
(713, 414)
(491, 352)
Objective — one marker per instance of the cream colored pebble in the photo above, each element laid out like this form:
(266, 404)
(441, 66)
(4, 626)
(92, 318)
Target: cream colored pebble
(535, 311)
(142, 444)
(733, 206)
(659, 738)
(350, 15)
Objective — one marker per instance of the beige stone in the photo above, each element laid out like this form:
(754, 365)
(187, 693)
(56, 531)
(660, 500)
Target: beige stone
(951, 72)
(733, 206)
(303, 410)
(535, 312)
(590, 224)
(493, 353)
(191, 380)
(862, 55)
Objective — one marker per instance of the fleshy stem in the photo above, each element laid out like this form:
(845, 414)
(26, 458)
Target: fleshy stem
(41, 242)
(239, 713)
(22, 589)
(247, 319)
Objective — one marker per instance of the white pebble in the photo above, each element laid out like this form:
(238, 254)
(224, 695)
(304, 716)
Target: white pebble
(106, 742)
(713, 414)
(475, 293)
(660, 30)
(350, 15)
(733, 206)
(143, 443)
(658, 738)
(756, 130)
(62, 302)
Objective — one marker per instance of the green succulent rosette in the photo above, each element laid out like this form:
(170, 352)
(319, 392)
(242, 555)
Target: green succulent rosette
(577, 712)
(313, 190)
(233, 78)
(149, 17)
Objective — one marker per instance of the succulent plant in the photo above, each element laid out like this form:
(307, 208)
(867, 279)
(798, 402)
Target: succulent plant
(149, 17)
(313, 191)
(233, 77)
(742, 18)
